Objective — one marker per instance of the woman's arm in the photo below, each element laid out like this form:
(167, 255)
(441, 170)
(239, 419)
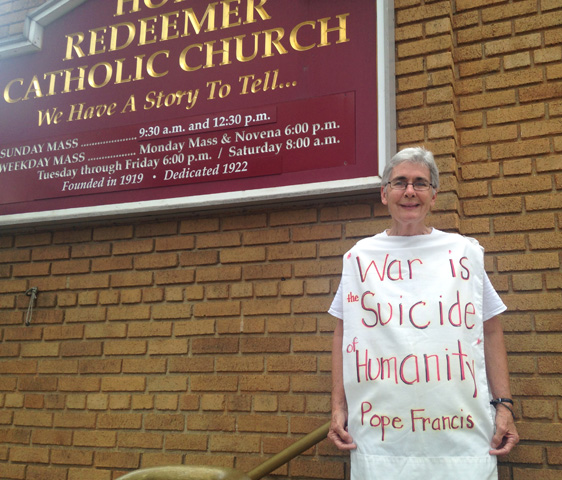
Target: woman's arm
(338, 428)
(506, 436)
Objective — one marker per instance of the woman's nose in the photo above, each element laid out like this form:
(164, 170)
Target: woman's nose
(410, 190)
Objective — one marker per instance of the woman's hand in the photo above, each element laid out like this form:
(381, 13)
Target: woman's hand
(338, 433)
(506, 436)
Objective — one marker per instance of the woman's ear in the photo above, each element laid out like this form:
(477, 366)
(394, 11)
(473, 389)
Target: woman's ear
(384, 200)
(434, 197)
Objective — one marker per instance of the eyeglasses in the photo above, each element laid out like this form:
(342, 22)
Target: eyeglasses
(418, 185)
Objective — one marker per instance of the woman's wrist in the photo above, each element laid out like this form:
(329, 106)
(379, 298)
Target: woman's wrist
(505, 402)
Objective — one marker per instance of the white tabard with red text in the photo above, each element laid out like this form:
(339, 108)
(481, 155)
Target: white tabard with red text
(414, 369)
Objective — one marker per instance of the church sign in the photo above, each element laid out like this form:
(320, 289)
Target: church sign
(136, 106)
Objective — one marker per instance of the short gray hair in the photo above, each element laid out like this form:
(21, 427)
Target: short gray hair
(413, 155)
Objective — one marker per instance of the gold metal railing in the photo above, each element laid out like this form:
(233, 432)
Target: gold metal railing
(191, 472)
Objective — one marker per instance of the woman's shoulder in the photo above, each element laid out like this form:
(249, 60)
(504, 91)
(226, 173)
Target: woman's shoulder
(456, 237)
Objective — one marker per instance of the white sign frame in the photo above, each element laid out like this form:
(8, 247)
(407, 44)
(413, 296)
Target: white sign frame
(52, 10)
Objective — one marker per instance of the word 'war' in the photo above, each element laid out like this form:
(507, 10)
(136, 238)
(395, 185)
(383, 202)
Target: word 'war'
(398, 269)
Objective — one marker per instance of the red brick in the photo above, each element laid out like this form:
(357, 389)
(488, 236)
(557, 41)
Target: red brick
(225, 443)
(265, 345)
(143, 440)
(131, 279)
(262, 237)
(267, 271)
(29, 454)
(50, 253)
(165, 422)
(119, 421)
(487, 100)
(217, 240)
(175, 243)
(318, 469)
(484, 32)
(263, 307)
(217, 309)
(117, 459)
(291, 251)
(185, 442)
(156, 261)
(293, 217)
(239, 364)
(262, 423)
(95, 439)
(72, 457)
(70, 267)
(264, 383)
(242, 255)
(91, 250)
(168, 346)
(36, 239)
(528, 222)
(123, 384)
(211, 422)
(214, 345)
(425, 12)
(75, 420)
(156, 229)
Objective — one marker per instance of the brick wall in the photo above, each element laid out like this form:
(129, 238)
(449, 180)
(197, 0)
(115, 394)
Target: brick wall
(159, 343)
(204, 339)
(480, 83)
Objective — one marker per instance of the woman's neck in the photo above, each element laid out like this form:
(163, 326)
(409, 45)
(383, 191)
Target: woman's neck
(397, 231)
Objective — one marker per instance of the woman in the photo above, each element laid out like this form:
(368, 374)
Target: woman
(418, 351)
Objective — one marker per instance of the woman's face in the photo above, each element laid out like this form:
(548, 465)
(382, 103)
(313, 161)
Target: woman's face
(408, 208)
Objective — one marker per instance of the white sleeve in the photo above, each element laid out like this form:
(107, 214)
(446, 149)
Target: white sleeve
(492, 304)
(336, 309)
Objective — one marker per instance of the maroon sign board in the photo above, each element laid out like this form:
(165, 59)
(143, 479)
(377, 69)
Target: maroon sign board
(135, 106)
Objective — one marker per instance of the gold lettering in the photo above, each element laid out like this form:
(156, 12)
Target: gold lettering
(138, 74)
(34, 87)
(150, 64)
(114, 31)
(183, 61)
(144, 29)
(191, 19)
(94, 40)
(120, 4)
(240, 47)
(342, 28)
(72, 44)
(293, 37)
(149, 3)
(92, 73)
(225, 52)
(80, 78)
(7, 96)
(167, 24)
(226, 13)
(269, 41)
(258, 8)
(119, 72)
(52, 80)
(130, 105)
